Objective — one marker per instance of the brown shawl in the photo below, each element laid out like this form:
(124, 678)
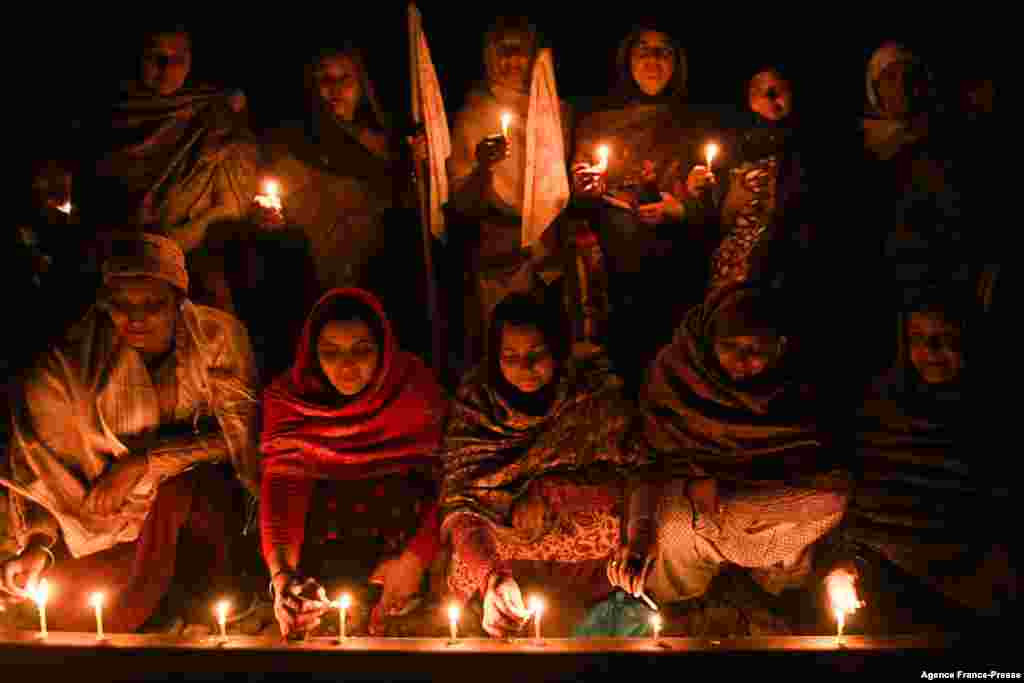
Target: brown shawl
(492, 452)
(699, 422)
(172, 165)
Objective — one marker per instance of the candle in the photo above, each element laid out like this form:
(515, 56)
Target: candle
(222, 617)
(656, 625)
(843, 596)
(271, 197)
(40, 594)
(602, 158)
(710, 152)
(344, 602)
(537, 607)
(506, 122)
(453, 620)
(65, 207)
(97, 604)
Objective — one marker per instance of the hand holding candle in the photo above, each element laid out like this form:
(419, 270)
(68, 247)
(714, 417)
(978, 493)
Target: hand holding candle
(270, 202)
(97, 604)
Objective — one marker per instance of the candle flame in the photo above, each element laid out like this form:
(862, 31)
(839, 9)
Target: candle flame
(842, 595)
(344, 601)
(65, 207)
(40, 593)
(536, 605)
(506, 122)
(223, 608)
(656, 623)
(710, 152)
(271, 197)
(602, 157)
(96, 600)
(453, 613)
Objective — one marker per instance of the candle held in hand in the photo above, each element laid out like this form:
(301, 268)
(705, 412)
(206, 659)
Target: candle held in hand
(271, 197)
(453, 621)
(223, 607)
(506, 123)
(710, 152)
(603, 152)
(97, 604)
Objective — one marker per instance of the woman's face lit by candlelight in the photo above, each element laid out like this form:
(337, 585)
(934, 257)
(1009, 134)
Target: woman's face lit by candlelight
(144, 313)
(746, 357)
(513, 52)
(166, 62)
(652, 62)
(337, 83)
(935, 348)
(526, 361)
(349, 354)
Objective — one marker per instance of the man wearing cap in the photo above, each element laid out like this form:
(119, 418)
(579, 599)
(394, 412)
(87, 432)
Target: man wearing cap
(108, 435)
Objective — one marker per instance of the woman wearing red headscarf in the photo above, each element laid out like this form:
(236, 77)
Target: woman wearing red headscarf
(350, 439)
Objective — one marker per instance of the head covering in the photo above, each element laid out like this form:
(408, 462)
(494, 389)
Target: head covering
(887, 54)
(703, 423)
(369, 111)
(751, 312)
(147, 255)
(395, 423)
(501, 27)
(626, 88)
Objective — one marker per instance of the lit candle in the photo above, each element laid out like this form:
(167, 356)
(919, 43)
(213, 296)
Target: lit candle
(271, 197)
(222, 617)
(97, 604)
(537, 607)
(710, 152)
(453, 621)
(40, 594)
(344, 602)
(843, 596)
(506, 122)
(65, 207)
(602, 158)
(656, 625)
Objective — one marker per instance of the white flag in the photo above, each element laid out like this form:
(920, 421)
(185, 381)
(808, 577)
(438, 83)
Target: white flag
(547, 181)
(428, 108)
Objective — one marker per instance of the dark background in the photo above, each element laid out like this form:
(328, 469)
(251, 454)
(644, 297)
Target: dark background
(71, 62)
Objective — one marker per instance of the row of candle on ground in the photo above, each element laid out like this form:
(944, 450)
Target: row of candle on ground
(842, 595)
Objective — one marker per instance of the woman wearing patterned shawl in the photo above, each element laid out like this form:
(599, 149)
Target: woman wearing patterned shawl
(533, 467)
(171, 158)
(487, 177)
(110, 428)
(350, 441)
(647, 218)
(928, 516)
(727, 416)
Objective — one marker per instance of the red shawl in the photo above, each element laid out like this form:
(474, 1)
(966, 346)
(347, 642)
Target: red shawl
(392, 426)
